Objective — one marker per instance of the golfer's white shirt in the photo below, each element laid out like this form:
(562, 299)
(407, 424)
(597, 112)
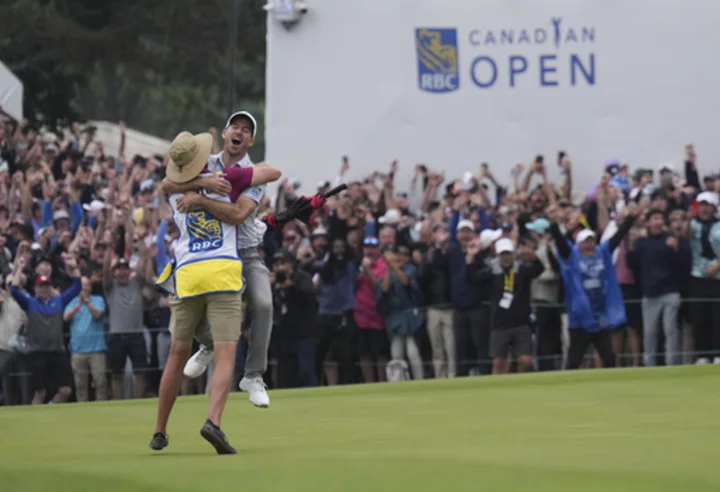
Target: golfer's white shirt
(251, 232)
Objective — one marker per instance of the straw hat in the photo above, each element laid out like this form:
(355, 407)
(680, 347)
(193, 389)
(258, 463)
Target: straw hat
(188, 156)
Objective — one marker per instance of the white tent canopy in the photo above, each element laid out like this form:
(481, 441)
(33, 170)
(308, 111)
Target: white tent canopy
(135, 142)
(11, 93)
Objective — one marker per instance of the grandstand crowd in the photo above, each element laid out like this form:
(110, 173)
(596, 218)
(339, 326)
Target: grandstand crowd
(439, 277)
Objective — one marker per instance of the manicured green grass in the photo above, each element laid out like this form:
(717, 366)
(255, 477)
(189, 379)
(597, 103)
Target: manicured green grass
(639, 430)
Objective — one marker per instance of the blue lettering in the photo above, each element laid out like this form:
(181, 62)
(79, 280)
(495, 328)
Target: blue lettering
(570, 36)
(576, 64)
(540, 35)
(506, 37)
(546, 70)
(474, 35)
(588, 34)
(473, 70)
(517, 68)
(524, 37)
(490, 38)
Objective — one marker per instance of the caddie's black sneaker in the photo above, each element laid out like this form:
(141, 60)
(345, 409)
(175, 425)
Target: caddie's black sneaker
(159, 441)
(216, 437)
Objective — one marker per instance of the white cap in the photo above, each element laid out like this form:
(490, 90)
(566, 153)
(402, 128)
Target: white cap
(584, 235)
(392, 216)
(666, 166)
(94, 206)
(60, 214)
(466, 224)
(247, 115)
(489, 236)
(146, 185)
(708, 197)
(504, 245)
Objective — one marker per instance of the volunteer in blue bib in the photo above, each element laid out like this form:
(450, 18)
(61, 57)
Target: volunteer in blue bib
(593, 298)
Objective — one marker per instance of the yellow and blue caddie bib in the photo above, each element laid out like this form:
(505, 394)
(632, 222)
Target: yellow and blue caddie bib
(206, 254)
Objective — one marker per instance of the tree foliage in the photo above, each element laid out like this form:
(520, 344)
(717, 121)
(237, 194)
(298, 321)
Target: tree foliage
(160, 65)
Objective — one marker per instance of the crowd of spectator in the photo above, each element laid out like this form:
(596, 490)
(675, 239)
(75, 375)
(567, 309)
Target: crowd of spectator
(436, 278)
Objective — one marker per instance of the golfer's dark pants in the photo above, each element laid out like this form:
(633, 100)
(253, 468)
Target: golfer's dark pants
(705, 316)
(548, 344)
(580, 340)
(472, 340)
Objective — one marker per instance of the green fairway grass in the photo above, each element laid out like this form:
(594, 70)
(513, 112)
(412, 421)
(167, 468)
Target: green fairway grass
(619, 430)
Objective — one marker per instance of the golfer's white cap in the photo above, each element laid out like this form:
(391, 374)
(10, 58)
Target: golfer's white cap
(246, 115)
(504, 245)
(584, 235)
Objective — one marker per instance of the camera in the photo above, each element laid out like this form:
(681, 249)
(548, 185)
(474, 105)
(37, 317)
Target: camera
(280, 277)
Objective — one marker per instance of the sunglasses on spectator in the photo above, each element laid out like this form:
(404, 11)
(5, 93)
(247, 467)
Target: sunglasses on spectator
(371, 241)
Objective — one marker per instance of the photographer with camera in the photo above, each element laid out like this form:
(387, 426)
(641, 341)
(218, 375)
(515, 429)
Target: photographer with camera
(295, 315)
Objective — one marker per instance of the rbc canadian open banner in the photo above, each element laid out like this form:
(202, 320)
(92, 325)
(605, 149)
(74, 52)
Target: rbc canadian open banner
(458, 82)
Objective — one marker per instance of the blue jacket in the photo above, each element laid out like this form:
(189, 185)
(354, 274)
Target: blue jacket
(401, 305)
(700, 261)
(45, 319)
(577, 303)
(661, 268)
(463, 294)
(338, 296)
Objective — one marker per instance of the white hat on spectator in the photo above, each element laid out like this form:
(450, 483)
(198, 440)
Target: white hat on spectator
(49, 137)
(488, 237)
(504, 245)
(188, 156)
(709, 197)
(467, 181)
(666, 166)
(392, 216)
(94, 206)
(466, 224)
(584, 235)
(60, 214)
(146, 185)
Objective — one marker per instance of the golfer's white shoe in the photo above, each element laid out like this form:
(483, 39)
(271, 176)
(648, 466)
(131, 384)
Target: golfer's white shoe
(197, 364)
(257, 390)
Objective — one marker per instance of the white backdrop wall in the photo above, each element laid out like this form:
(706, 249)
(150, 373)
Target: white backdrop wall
(453, 83)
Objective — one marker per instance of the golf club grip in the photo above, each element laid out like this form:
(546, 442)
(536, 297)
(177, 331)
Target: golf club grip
(335, 191)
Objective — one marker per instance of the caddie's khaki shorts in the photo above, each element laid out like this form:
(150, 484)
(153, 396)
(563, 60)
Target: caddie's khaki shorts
(223, 310)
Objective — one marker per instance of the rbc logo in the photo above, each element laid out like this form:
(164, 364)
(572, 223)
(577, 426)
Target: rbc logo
(437, 56)
(204, 230)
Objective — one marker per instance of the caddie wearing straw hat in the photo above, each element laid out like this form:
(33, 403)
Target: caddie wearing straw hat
(208, 282)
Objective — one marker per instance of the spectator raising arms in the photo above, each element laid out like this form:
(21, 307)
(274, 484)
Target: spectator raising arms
(592, 294)
(50, 366)
(662, 261)
(705, 242)
(399, 301)
(508, 284)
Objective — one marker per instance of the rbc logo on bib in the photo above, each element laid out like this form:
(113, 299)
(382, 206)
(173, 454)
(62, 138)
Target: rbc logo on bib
(204, 230)
(437, 55)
